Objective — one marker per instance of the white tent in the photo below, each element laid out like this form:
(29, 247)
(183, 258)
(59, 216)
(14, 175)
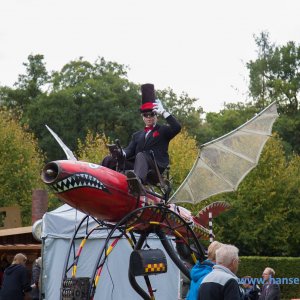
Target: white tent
(58, 228)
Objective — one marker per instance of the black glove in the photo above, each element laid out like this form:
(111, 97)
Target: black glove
(118, 153)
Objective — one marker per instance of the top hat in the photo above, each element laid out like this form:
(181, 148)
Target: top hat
(148, 97)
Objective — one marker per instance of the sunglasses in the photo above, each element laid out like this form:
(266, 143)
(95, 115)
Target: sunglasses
(149, 114)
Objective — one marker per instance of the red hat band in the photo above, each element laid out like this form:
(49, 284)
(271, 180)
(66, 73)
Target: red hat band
(147, 106)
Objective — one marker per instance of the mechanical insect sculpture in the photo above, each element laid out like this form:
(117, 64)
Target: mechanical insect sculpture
(103, 194)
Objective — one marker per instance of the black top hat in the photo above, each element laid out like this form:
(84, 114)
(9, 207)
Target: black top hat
(148, 97)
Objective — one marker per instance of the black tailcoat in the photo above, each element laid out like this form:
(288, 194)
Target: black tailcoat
(157, 141)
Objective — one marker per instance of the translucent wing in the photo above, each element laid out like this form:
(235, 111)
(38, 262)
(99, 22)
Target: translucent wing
(68, 152)
(223, 163)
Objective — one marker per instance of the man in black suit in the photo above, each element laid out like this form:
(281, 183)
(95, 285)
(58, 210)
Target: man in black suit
(151, 142)
(270, 290)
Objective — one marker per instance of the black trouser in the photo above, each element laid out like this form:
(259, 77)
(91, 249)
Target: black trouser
(142, 165)
(120, 166)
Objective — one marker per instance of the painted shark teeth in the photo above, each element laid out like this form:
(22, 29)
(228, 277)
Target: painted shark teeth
(78, 180)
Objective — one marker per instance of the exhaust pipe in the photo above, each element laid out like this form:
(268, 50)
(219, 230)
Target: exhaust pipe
(50, 173)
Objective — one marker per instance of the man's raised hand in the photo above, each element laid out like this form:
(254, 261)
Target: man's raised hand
(159, 109)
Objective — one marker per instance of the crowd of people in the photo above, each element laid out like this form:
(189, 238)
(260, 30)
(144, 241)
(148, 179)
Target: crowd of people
(16, 284)
(215, 278)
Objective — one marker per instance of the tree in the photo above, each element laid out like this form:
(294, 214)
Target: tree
(28, 87)
(291, 182)
(262, 217)
(93, 148)
(20, 165)
(183, 108)
(35, 78)
(60, 113)
(231, 117)
(183, 152)
(274, 75)
(85, 96)
(77, 72)
(72, 74)
(288, 128)
(107, 101)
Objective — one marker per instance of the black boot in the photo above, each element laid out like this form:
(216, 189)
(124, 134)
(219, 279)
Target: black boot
(135, 185)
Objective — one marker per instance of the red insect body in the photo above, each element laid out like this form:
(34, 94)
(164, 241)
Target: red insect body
(103, 194)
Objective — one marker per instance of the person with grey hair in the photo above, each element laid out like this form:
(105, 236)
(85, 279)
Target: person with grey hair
(270, 291)
(222, 282)
(201, 269)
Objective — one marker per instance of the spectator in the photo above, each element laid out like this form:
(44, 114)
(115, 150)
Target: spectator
(251, 291)
(15, 280)
(221, 283)
(201, 269)
(3, 265)
(35, 278)
(270, 290)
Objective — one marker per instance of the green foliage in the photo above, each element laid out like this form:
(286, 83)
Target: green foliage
(93, 148)
(59, 112)
(228, 119)
(264, 211)
(79, 71)
(183, 152)
(72, 74)
(288, 127)
(28, 87)
(96, 97)
(290, 192)
(183, 108)
(274, 75)
(20, 165)
(35, 78)
(85, 96)
(285, 267)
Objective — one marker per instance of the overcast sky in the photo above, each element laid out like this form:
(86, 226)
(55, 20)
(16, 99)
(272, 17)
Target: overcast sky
(200, 47)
